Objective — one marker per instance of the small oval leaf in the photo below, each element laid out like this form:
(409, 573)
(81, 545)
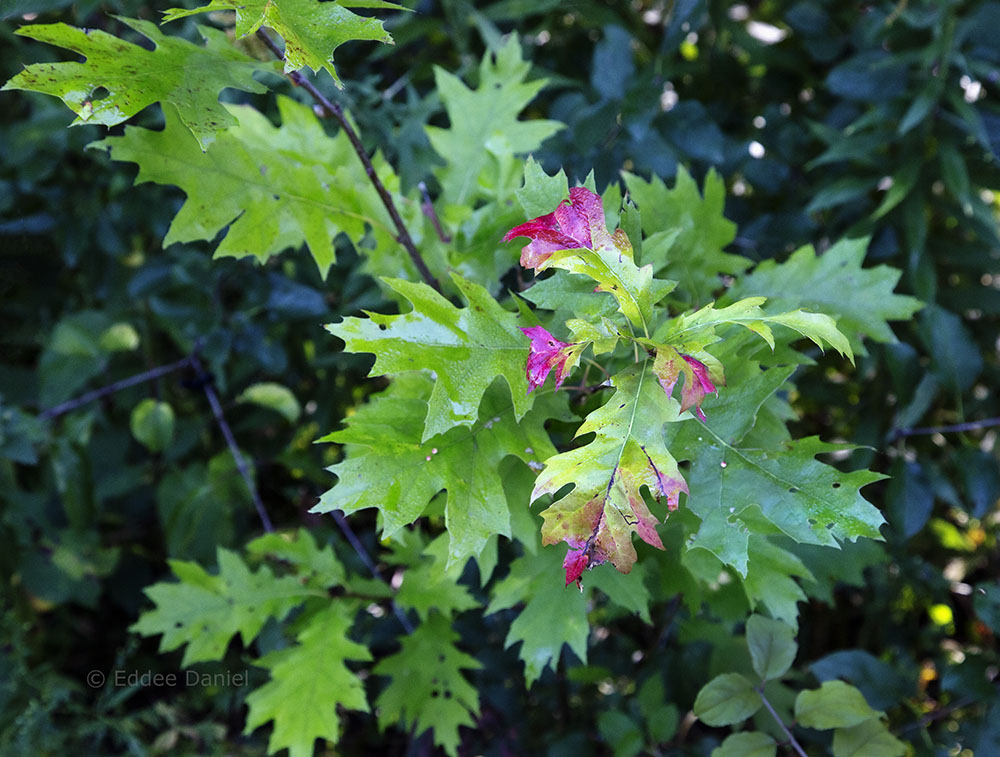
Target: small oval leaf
(152, 424)
(772, 646)
(726, 699)
(747, 744)
(835, 704)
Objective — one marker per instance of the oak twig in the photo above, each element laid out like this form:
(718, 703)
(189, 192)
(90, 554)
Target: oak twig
(227, 433)
(334, 111)
(111, 388)
(428, 207)
(359, 548)
(926, 430)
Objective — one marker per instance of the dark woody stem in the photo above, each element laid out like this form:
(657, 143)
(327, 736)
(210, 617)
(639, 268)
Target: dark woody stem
(333, 110)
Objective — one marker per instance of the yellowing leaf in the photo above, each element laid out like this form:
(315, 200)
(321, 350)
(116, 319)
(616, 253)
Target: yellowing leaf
(598, 517)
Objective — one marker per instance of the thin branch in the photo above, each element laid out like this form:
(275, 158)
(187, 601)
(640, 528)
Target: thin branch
(366, 558)
(104, 391)
(428, 208)
(791, 739)
(923, 431)
(227, 432)
(334, 110)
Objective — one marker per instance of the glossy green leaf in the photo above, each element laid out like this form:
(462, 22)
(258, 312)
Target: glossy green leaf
(726, 699)
(177, 72)
(274, 187)
(732, 482)
(312, 30)
(541, 192)
(205, 611)
(464, 348)
(696, 330)
(834, 704)
(427, 689)
(309, 682)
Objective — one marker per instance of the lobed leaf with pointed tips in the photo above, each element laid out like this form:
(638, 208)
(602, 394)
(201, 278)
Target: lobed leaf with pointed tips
(605, 507)
(312, 30)
(465, 349)
(176, 72)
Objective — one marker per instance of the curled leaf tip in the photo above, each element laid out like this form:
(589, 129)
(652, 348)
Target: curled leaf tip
(578, 223)
(670, 364)
(581, 557)
(548, 353)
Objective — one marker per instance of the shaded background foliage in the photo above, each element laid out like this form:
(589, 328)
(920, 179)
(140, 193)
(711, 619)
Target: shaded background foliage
(825, 119)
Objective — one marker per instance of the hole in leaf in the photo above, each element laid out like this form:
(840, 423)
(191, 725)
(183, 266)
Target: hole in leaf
(793, 490)
(382, 327)
(829, 526)
(836, 484)
(435, 694)
(99, 94)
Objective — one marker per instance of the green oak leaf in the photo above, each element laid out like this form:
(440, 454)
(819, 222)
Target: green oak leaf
(428, 584)
(274, 187)
(309, 681)
(464, 348)
(541, 192)
(552, 615)
(686, 234)
(738, 487)
(206, 611)
(605, 507)
(770, 579)
(389, 466)
(696, 330)
(317, 566)
(860, 299)
(312, 30)
(484, 121)
(177, 72)
(427, 688)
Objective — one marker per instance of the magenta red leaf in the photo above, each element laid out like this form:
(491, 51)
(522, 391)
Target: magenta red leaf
(547, 354)
(578, 223)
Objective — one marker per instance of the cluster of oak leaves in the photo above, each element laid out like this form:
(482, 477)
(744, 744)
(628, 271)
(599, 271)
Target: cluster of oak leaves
(579, 224)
